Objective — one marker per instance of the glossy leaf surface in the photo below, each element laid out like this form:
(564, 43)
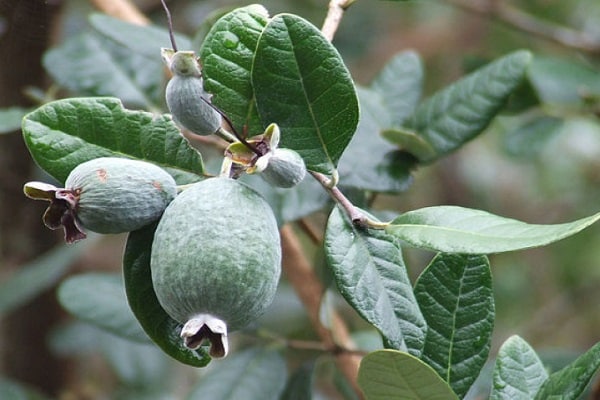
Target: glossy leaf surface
(62, 134)
(302, 84)
(456, 298)
(227, 55)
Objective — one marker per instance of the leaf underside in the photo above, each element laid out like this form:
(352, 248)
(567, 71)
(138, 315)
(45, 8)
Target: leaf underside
(452, 229)
(393, 375)
(519, 373)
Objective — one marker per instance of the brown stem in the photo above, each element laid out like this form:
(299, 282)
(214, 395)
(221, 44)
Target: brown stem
(122, 9)
(334, 17)
(356, 216)
(516, 18)
(310, 290)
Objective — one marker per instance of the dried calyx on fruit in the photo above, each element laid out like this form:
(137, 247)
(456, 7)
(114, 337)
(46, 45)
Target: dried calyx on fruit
(186, 99)
(105, 195)
(216, 260)
(280, 167)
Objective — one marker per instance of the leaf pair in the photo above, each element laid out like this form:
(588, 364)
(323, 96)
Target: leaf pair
(446, 321)
(282, 70)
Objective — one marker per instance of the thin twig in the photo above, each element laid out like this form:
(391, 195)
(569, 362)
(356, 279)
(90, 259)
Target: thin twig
(313, 234)
(310, 290)
(509, 15)
(170, 22)
(334, 17)
(356, 216)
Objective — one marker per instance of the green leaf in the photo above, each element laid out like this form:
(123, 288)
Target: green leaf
(38, 275)
(91, 65)
(145, 40)
(464, 109)
(10, 119)
(410, 142)
(370, 274)
(62, 134)
(570, 382)
(399, 84)
(160, 327)
(393, 375)
(99, 298)
(519, 373)
(370, 162)
(452, 229)
(456, 298)
(563, 81)
(299, 386)
(301, 83)
(254, 374)
(227, 55)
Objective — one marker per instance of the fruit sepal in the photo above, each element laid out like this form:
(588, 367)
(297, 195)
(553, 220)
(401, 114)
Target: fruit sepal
(204, 327)
(62, 209)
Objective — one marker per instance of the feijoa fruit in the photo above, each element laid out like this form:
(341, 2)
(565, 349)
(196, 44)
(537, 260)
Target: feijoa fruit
(216, 260)
(186, 99)
(106, 195)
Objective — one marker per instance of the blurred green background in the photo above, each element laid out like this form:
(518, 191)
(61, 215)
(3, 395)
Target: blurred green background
(538, 162)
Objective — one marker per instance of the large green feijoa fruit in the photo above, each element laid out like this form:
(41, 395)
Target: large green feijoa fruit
(186, 99)
(106, 195)
(216, 260)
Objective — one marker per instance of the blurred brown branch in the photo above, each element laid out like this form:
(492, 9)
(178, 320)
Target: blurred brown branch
(122, 9)
(310, 290)
(507, 14)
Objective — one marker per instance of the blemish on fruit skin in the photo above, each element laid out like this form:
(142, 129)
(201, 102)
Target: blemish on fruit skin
(102, 175)
(157, 185)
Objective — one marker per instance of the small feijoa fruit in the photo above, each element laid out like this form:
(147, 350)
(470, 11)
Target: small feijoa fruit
(106, 195)
(216, 260)
(185, 95)
(285, 168)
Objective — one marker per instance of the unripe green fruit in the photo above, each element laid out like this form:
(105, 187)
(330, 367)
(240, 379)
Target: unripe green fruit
(114, 195)
(285, 168)
(185, 94)
(216, 260)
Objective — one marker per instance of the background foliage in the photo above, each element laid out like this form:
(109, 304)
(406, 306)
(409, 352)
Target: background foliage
(555, 177)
